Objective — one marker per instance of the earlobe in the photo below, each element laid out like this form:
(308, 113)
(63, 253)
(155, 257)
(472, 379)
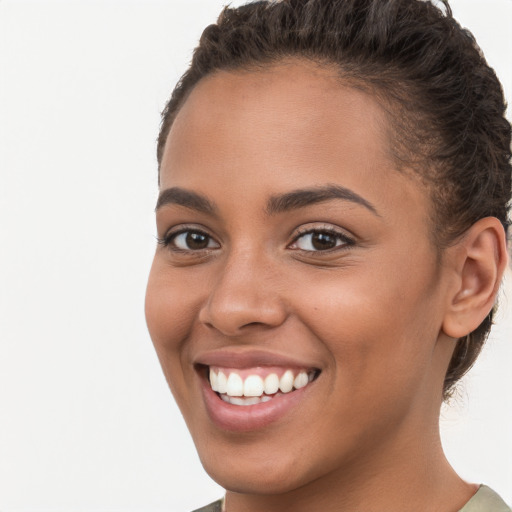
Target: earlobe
(479, 260)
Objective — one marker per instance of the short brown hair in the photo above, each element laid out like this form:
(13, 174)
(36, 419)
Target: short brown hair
(445, 103)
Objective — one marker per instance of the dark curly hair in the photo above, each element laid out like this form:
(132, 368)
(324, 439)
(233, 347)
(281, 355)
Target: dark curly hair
(445, 104)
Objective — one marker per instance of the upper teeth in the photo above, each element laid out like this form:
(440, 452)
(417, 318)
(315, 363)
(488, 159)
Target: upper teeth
(231, 383)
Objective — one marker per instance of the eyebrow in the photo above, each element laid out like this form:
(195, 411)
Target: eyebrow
(187, 198)
(296, 199)
(308, 196)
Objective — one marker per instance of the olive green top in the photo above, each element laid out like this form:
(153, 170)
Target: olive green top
(485, 500)
(216, 506)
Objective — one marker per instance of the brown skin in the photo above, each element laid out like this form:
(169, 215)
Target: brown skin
(378, 316)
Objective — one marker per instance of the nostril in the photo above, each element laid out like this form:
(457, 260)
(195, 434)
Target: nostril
(235, 326)
(234, 307)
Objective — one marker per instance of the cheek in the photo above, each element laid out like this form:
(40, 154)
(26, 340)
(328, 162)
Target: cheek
(170, 311)
(379, 344)
(171, 304)
(377, 329)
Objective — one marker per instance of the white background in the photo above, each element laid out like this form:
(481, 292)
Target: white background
(86, 420)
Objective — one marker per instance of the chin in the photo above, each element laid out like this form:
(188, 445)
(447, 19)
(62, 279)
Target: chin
(260, 469)
(263, 479)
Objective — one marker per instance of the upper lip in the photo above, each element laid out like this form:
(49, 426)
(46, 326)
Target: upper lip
(249, 358)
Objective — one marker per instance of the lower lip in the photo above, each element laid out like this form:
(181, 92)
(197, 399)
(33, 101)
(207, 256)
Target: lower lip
(243, 418)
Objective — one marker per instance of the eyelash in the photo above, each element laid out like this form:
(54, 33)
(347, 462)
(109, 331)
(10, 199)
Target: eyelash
(346, 241)
(168, 239)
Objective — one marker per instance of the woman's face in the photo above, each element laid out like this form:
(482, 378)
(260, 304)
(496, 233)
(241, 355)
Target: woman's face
(293, 249)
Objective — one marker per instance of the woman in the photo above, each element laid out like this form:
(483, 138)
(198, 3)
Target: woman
(334, 180)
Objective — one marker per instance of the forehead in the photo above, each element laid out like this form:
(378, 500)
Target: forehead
(298, 89)
(292, 107)
(290, 125)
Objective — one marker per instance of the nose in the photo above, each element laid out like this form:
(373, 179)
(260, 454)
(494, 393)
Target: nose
(243, 296)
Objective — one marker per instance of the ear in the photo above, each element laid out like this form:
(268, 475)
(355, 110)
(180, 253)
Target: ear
(479, 260)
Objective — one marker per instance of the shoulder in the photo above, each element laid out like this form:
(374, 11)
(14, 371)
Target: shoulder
(485, 500)
(216, 506)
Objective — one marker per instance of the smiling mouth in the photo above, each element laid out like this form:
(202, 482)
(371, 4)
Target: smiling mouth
(252, 386)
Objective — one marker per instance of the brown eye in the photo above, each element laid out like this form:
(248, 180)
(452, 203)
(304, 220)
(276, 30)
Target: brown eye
(192, 241)
(322, 241)
(315, 241)
(196, 240)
